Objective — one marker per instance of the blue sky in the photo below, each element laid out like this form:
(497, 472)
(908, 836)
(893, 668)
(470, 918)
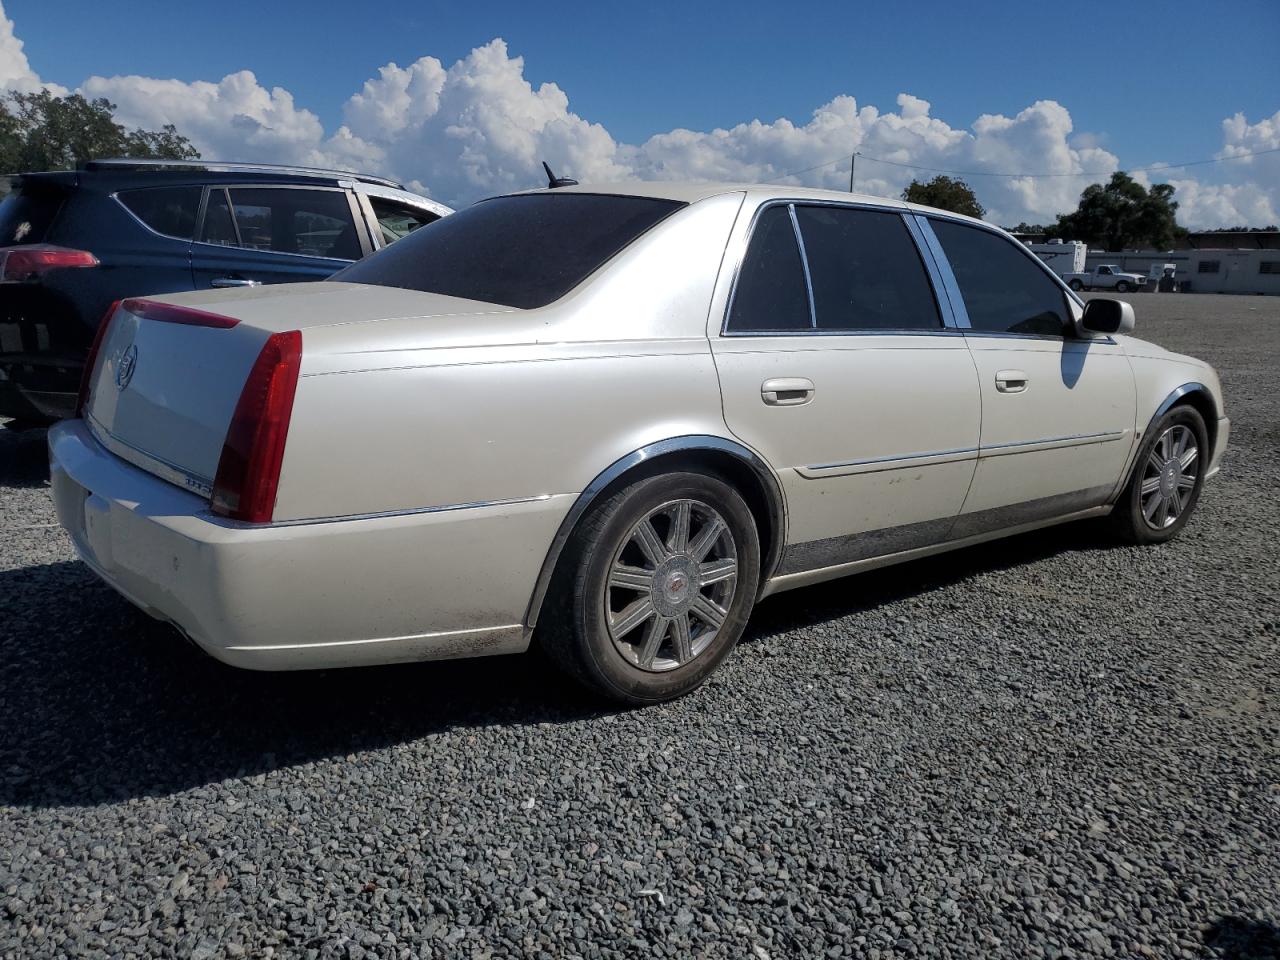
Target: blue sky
(1146, 83)
(1153, 85)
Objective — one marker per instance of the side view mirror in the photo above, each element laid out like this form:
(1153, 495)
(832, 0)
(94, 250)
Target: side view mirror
(1105, 316)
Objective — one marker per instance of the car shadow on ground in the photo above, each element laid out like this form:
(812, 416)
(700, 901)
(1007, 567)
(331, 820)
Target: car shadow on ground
(99, 703)
(1236, 938)
(24, 458)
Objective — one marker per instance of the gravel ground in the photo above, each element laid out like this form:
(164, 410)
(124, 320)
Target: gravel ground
(1044, 747)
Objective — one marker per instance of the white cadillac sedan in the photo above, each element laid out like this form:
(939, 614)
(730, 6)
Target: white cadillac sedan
(609, 420)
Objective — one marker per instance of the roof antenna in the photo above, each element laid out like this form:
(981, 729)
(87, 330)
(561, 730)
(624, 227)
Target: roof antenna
(553, 181)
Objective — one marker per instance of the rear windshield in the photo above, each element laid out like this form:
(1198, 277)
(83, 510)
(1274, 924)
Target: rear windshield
(523, 251)
(26, 214)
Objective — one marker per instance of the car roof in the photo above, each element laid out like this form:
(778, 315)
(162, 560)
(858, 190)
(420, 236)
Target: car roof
(693, 191)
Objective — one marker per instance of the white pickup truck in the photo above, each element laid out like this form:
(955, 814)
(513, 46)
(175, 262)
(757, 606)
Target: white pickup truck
(1106, 276)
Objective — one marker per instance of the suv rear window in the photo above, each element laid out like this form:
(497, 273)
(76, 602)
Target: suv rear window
(26, 214)
(522, 251)
(167, 210)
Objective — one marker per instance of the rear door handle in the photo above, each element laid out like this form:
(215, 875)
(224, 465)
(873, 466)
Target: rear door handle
(1011, 381)
(787, 391)
(234, 282)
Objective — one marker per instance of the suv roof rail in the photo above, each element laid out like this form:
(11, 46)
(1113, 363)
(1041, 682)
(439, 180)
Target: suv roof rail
(218, 166)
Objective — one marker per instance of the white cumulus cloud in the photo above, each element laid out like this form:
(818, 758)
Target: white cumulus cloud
(479, 127)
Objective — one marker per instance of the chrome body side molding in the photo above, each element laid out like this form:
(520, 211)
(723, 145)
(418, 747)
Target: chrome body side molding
(837, 553)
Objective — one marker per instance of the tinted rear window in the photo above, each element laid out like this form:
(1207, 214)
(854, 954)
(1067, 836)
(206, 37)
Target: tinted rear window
(26, 215)
(525, 251)
(167, 210)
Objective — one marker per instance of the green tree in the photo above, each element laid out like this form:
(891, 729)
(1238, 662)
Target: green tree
(1123, 215)
(945, 194)
(39, 131)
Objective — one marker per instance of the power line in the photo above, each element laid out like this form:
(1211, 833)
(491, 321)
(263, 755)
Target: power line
(985, 173)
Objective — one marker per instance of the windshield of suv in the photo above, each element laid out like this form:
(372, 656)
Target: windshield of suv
(524, 251)
(25, 215)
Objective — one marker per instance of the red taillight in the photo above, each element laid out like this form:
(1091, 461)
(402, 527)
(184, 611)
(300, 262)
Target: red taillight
(27, 263)
(171, 313)
(91, 361)
(249, 470)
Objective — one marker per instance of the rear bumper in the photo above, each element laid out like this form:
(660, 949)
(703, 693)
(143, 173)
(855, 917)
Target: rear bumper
(414, 586)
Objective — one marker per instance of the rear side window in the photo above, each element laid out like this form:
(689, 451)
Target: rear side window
(524, 251)
(397, 220)
(167, 210)
(1004, 290)
(26, 215)
(865, 270)
(313, 223)
(771, 293)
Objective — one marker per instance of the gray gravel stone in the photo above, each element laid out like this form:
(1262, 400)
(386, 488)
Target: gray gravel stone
(1044, 747)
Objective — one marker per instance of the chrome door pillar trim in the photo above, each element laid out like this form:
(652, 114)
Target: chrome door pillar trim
(959, 314)
(804, 262)
(925, 252)
(693, 443)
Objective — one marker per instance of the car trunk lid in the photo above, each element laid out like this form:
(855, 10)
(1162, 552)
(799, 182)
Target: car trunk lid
(170, 370)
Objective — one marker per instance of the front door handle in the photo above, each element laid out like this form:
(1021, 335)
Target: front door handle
(787, 391)
(234, 282)
(1011, 381)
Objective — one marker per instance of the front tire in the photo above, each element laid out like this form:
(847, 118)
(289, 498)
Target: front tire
(654, 589)
(1122, 287)
(1168, 475)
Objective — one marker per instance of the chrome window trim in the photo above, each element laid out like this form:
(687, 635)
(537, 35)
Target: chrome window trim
(209, 188)
(941, 295)
(949, 283)
(791, 204)
(1022, 247)
(804, 262)
(903, 332)
(1105, 339)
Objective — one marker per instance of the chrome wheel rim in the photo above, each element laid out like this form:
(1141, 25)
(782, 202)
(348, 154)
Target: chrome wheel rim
(671, 584)
(1169, 477)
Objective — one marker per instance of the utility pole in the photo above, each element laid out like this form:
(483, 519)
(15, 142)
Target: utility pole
(853, 163)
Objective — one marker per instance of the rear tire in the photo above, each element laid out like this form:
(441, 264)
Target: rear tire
(1168, 475)
(1076, 285)
(654, 588)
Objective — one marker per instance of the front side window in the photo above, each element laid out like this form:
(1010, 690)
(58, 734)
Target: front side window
(865, 270)
(1004, 289)
(167, 210)
(397, 220)
(312, 223)
(771, 293)
(521, 251)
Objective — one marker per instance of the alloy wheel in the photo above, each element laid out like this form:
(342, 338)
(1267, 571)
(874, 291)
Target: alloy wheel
(1169, 477)
(671, 585)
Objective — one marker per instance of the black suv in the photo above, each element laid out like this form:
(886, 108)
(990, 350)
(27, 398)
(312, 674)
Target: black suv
(73, 242)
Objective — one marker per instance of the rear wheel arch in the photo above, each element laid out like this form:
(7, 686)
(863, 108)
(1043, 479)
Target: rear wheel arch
(728, 460)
